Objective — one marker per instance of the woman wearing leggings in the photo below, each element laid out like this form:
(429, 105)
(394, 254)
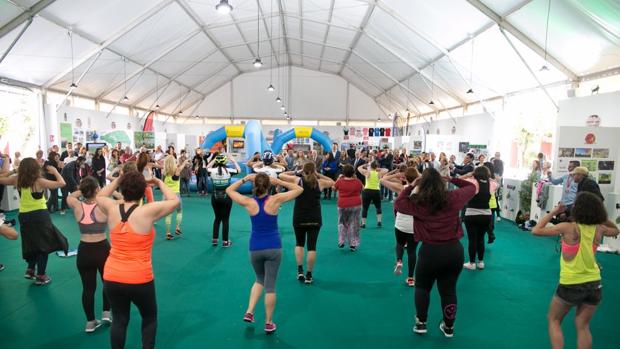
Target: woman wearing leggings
(220, 201)
(307, 218)
(372, 190)
(265, 243)
(493, 202)
(128, 271)
(580, 275)
(478, 215)
(93, 249)
(349, 189)
(172, 179)
(403, 221)
(39, 236)
(437, 225)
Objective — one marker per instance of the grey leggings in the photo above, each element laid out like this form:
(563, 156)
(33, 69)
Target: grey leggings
(266, 264)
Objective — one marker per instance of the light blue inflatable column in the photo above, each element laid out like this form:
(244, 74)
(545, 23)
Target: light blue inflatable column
(253, 141)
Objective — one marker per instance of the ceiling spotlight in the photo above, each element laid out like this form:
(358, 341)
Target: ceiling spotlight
(286, 114)
(125, 98)
(282, 107)
(270, 88)
(180, 112)
(196, 116)
(73, 85)
(223, 7)
(544, 68)
(278, 100)
(258, 63)
(431, 102)
(157, 106)
(470, 91)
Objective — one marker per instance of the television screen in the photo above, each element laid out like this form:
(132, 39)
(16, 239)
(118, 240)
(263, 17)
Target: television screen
(91, 147)
(238, 144)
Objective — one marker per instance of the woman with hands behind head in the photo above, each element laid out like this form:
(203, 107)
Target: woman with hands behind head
(128, 271)
(265, 243)
(580, 276)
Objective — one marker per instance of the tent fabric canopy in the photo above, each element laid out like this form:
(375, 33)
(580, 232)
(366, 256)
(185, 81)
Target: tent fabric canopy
(403, 54)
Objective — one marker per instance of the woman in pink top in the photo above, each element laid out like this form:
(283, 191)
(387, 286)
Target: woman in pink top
(349, 190)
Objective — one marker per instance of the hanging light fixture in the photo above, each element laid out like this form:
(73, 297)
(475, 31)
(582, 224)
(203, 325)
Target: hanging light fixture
(432, 85)
(282, 107)
(544, 68)
(258, 62)
(125, 78)
(278, 99)
(471, 67)
(157, 92)
(73, 84)
(270, 88)
(223, 7)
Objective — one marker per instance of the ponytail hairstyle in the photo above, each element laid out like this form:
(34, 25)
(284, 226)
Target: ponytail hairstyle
(143, 160)
(309, 174)
(262, 184)
(89, 187)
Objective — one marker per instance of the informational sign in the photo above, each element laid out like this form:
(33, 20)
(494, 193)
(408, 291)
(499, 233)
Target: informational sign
(66, 133)
(144, 139)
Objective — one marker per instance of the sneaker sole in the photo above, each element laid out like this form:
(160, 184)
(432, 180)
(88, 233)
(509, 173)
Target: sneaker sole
(398, 270)
(444, 332)
(92, 330)
(301, 278)
(420, 331)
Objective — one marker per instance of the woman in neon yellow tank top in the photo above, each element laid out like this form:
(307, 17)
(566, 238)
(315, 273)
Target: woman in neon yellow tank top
(372, 190)
(580, 276)
(39, 236)
(172, 180)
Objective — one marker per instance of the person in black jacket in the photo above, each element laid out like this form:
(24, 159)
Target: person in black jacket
(71, 174)
(585, 183)
(360, 160)
(467, 167)
(52, 160)
(498, 165)
(99, 167)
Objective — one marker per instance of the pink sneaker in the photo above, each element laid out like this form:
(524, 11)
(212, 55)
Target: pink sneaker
(248, 318)
(410, 282)
(270, 328)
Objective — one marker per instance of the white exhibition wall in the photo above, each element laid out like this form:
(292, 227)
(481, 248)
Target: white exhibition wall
(315, 96)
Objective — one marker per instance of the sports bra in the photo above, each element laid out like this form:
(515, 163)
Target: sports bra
(129, 261)
(88, 224)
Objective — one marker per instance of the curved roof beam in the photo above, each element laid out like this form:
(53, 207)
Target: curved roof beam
(371, 8)
(24, 16)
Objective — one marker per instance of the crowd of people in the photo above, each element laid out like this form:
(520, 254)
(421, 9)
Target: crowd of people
(110, 192)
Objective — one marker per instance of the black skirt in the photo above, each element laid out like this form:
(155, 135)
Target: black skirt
(39, 235)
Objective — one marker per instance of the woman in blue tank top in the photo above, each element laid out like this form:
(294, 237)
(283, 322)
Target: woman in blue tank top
(265, 243)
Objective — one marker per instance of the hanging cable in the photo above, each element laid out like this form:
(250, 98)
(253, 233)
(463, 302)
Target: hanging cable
(73, 84)
(270, 88)
(544, 67)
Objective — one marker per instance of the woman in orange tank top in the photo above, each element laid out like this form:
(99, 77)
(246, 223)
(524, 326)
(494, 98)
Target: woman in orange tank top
(128, 273)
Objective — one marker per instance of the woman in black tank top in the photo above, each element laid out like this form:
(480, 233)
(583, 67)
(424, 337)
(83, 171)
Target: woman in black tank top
(307, 219)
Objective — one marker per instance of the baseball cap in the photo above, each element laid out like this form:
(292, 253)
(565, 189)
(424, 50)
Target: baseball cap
(580, 170)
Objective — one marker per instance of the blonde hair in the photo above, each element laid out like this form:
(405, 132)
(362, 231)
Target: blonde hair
(170, 166)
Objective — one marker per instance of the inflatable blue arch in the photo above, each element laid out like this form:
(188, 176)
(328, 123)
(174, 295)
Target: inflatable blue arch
(300, 132)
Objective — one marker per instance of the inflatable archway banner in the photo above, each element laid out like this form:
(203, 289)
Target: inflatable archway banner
(301, 132)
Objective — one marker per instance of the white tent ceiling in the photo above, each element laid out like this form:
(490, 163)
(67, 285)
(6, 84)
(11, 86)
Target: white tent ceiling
(402, 53)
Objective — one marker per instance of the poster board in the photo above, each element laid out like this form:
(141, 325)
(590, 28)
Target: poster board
(596, 148)
(146, 139)
(66, 134)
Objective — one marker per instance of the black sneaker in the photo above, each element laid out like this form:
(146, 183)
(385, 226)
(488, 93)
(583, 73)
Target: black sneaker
(353, 248)
(379, 224)
(308, 280)
(420, 327)
(363, 226)
(447, 331)
(300, 274)
(1, 267)
(214, 242)
(491, 239)
(341, 245)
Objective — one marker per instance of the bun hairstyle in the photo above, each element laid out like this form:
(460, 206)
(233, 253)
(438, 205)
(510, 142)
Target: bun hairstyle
(309, 174)
(262, 184)
(374, 165)
(411, 173)
(88, 187)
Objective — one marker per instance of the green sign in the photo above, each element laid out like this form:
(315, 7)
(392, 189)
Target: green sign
(116, 136)
(146, 139)
(66, 131)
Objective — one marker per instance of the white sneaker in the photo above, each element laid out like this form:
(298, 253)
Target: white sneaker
(480, 265)
(498, 219)
(106, 316)
(398, 269)
(470, 266)
(91, 326)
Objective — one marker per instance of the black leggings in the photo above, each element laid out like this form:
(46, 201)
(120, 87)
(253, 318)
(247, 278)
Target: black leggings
(441, 263)
(221, 208)
(121, 296)
(52, 202)
(309, 233)
(40, 261)
(476, 226)
(403, 238)
(327, 192)
(370, 196)
(90, 259)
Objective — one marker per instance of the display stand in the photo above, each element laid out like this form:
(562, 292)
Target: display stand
(10, 199)
(555, 196)
(510, 198)
(612, 203)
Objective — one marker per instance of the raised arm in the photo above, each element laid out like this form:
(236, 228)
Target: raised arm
(232, 192)
(159, 209)
(235, 163)
(610, 229)
(47, 184)
(388, 182)
(12, 180)
(325, 182)
(289, 177)
(103, 197)
(541, 228)
(73, 199)
(294, 191)
(363, 169)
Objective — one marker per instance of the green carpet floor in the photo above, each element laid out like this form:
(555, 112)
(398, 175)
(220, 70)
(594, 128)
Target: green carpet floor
(356, 301)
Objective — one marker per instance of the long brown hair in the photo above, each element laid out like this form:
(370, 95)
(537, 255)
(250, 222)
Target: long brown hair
(309, 174)
(432, 192)
(27, 173)
(262, 184)
(143, 160)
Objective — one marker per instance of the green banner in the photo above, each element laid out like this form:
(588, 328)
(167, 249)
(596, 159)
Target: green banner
(144, 139)
(66, 131)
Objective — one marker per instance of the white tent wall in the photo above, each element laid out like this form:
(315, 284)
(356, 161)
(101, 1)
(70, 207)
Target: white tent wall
(475, 129)
(310, 95)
